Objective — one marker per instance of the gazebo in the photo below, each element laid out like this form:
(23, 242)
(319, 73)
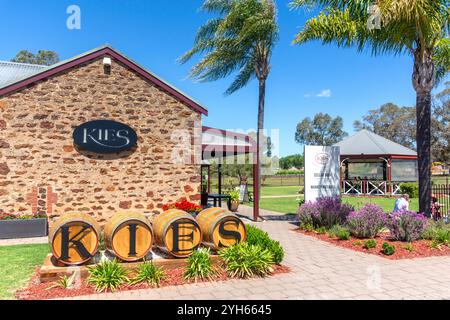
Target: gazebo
(218, 145)
(375, 166)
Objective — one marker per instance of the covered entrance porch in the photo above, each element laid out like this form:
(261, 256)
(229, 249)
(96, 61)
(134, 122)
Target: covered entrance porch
(226, 147)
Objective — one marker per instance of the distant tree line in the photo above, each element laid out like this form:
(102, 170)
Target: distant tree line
(42, 57)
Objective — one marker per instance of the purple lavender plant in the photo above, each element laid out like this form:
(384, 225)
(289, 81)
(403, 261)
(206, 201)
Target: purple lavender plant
(325, 212)
(367, 222)
(407, 225)
(305, 213)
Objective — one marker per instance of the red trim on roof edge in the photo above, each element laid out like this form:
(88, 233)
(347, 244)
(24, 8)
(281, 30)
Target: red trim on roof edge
(91, 56)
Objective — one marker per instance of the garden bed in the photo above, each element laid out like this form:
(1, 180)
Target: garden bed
(173, 277)
(421, 248)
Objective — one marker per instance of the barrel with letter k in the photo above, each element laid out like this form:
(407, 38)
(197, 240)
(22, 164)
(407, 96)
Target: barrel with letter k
(74, 238)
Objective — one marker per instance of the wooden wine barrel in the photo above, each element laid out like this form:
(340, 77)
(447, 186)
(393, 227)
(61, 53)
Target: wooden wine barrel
(177, 233)
(74, 238)
(220, 228)
(129, 236)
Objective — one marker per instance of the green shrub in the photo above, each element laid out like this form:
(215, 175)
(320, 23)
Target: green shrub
(149, 273)
(439, 232)
(357, 243)
(306, 226)
(107, 275)
(321, 230)
(245, 260)
(340, 232)
(410, 188)
(199, 265)
(370, 244)
(256, 236)
(387, 249)
(408, 246)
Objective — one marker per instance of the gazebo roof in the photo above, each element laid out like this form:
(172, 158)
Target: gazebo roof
(368, 143)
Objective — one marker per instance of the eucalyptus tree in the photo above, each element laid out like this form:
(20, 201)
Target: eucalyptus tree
(238, 40)
(419, 28)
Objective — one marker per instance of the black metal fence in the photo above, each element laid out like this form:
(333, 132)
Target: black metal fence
(441, 194)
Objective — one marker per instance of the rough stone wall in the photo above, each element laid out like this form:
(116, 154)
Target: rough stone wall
(42, 171)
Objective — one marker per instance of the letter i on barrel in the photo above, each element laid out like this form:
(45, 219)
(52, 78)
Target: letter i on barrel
(74, 239)
(129, 236)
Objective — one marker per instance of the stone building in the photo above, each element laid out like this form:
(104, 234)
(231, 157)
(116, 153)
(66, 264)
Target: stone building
(43, 171)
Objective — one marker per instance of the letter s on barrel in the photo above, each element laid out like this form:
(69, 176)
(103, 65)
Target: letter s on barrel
(104, 136)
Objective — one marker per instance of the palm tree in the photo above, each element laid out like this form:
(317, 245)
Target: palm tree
(239, 40)
(419, 28)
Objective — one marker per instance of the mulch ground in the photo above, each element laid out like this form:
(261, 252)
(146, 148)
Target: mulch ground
(43, 291)
(421, 248)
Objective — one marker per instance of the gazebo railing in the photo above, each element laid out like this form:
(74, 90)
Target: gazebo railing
(370, 187)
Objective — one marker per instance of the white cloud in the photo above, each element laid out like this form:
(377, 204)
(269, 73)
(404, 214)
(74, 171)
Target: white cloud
(326, 93)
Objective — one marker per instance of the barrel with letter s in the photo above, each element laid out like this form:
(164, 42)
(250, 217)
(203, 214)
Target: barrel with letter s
(177, 233)
(129, 236)
(220, 228)
(74, 238)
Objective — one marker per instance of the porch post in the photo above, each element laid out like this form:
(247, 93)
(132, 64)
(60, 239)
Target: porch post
(219, 173)
(389, 164)
(209, 179)
(255, 190)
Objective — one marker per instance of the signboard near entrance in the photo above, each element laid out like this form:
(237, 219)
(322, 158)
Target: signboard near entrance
(322, 172)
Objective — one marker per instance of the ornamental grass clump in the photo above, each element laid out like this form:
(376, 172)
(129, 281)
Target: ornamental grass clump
(107, 275)
(407, 226)
(324, 212)
(367, 222)
(199, 265)
(149, 273)
(244, 260)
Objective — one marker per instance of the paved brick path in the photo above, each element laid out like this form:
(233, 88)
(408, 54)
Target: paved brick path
(319, 271)
(13, 242)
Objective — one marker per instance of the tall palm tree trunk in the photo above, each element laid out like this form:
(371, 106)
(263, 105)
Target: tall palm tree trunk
(260, 134)
(423, 112)
(423, 81)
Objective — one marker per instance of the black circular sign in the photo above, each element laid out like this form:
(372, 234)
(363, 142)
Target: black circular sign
(104, 136)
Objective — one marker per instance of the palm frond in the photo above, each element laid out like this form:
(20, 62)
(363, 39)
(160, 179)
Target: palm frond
(242, 35)
(246, 74)
(345, 30)
(441, 58)
(217, 6)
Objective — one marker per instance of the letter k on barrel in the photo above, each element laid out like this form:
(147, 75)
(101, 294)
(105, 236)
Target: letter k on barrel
(74, 238)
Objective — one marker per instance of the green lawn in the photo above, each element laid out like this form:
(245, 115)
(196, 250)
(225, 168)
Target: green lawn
(17, 264)
(280, 191)
(290, 205)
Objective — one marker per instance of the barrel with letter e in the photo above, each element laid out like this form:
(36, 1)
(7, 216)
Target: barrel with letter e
(74, 238)
(177, 233)
(129, 236)
(220, 228)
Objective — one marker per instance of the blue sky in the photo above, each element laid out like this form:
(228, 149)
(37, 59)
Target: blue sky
(155, 33)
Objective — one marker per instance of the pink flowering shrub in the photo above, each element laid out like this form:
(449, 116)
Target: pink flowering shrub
(367, 222)
(407, 225)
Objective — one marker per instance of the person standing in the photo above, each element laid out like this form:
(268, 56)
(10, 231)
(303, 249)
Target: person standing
(402, 203)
